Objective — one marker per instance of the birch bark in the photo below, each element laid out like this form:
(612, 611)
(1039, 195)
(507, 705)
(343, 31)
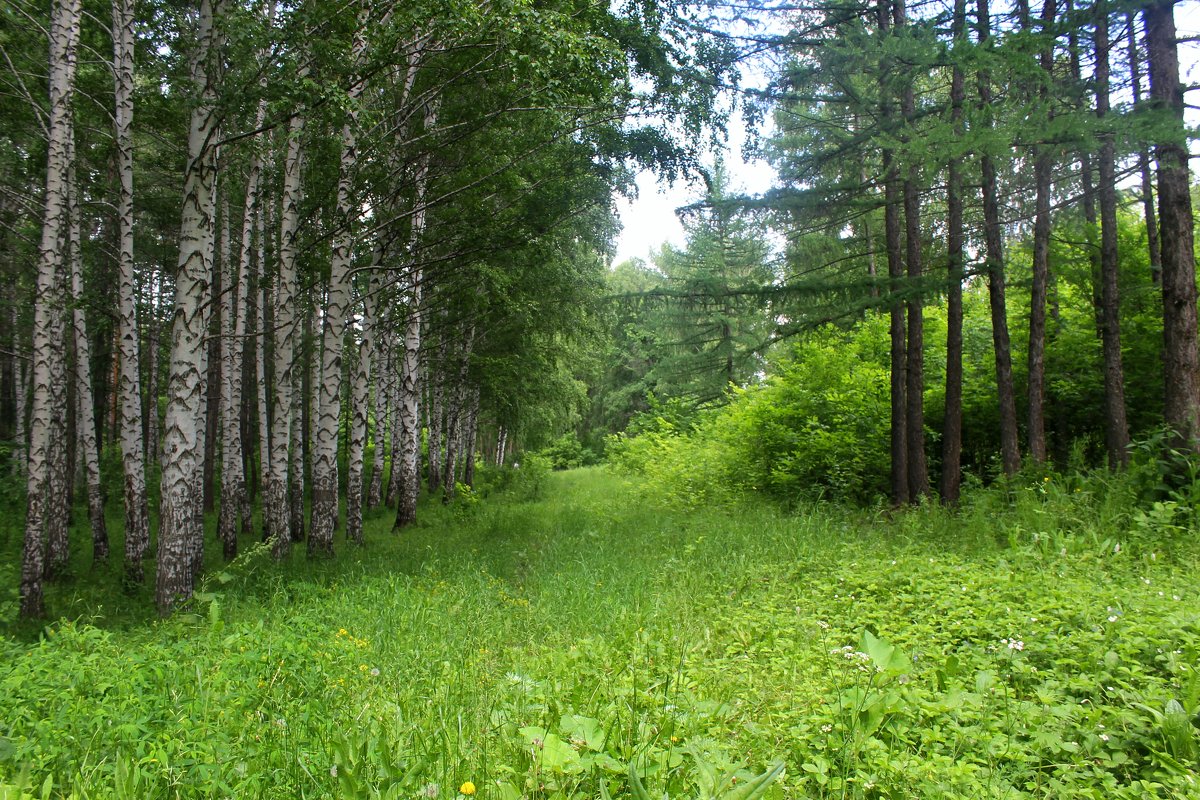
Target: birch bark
(133, 445)
(410, 367)
(183, 433)
(277, 507)
(325, 466)
(85, 408)
(64, 39)
(358, 429)
(233, 335)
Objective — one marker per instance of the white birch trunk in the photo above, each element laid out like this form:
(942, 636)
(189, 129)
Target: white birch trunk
(129, 401)
(410, 366)
(85, 420)
(325, 468)
(262, 372)
(40, 503)
(277, 506)
(233, 337)
(181, 533)
(153, 444)
(20, 402)
(471, 435)
(358, 428)
(379, 371)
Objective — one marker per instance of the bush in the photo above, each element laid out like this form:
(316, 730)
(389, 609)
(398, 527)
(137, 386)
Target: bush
(817, 427)
(567, 452)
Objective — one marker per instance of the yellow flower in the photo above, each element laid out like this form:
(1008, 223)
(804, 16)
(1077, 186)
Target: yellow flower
(467, 788)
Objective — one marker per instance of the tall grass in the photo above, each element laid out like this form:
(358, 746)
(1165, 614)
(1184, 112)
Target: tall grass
(1039, 642)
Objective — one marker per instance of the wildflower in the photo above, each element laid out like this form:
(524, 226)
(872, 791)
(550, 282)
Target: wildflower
(1016, 644)
(333, 771)
(342, 632)
(1104, 737)
(1112, 618)
(823, 625)
(467, 788)
(375, 672)
(826, 728)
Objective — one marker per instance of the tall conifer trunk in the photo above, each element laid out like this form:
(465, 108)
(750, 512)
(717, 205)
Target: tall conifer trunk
(1181, 360)
(892, 243)
(1010, 451)
(951, 478)
(1116, 428)
(914, 389)
(1042, 170)
(1153, 247)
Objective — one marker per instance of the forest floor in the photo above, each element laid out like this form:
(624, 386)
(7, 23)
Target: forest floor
(540, 646)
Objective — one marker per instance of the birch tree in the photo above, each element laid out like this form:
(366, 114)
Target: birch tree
(42, 505)
(181, 533)
(129, 395)
(325, 466)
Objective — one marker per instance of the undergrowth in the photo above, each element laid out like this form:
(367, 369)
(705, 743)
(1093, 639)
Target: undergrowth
(583, 641)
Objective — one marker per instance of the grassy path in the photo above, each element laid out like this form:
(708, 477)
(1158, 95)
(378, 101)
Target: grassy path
(536, 648)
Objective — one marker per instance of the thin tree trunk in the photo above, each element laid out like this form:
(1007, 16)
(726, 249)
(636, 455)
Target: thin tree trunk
(41, 501)
(1153, 246)
(410, 367)
(277, 505)
(951, 479)
(233, 334)
(892, 243)
(325, 466)
(153, 442)
(358, 429)
(470, 437)
(1181, 360)
(1042, 169)
(85, 406)
(215, 349)
(914, 390)
(181, 533)
(262, 366)
(20, 402)
(1010, 451)
(436, 380)
(1116, 429)
(379, 372)
(456, 398)
(133, 445)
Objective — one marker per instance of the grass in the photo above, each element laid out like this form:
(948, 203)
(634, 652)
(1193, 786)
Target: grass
(1042, 647)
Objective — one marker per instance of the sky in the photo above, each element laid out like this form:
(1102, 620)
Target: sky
(650, 220)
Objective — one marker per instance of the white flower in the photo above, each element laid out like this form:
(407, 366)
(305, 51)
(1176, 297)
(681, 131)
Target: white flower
(1104, 737)
(1016, 644)
(333, 771)
(1113, 618)
(826, 728)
